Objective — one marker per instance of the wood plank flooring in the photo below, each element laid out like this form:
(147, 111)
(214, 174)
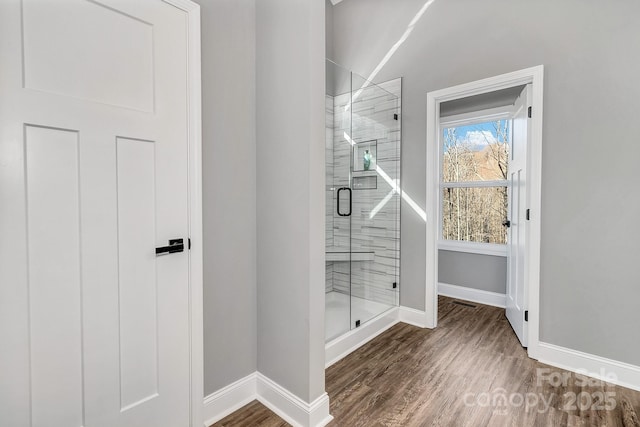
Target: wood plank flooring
(469, 371)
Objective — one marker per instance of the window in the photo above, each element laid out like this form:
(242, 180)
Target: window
(473, 183)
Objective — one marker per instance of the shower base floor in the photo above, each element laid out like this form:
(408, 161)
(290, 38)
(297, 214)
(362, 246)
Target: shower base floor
(338, 307)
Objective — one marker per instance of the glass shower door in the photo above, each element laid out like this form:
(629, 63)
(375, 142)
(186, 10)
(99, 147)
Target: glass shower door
(375, 179)
(338, 198)
(362, 153)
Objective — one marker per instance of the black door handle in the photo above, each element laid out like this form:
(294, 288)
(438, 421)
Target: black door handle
(175, 245)
(350, 201)
(507, 223)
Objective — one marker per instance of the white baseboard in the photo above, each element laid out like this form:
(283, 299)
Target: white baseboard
(350, 341)
(413, 317)
(619, 373)
(229, 399)
(290, 407)
(473, 295)
(281, 401)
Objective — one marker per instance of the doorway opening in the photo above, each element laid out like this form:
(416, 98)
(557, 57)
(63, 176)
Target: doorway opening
(483, 189)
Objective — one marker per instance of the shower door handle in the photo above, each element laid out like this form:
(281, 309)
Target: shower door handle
(350, 201)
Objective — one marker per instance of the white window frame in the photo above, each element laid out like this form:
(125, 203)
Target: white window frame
(475, 117)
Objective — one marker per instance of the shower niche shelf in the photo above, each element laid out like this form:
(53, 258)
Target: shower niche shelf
(334, 256)
(364, 156)
(367, 182)
(372, 172)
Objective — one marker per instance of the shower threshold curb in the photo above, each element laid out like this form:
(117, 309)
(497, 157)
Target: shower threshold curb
(347, 343)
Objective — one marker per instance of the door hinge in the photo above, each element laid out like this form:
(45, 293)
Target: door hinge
(528, 214)
(529, 112)
(395, 117)
(189, 243)
(526, 315)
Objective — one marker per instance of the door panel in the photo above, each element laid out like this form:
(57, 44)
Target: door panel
(94, 328)
(137, 271)
(54, 282)
(516, 236)
(73, 50)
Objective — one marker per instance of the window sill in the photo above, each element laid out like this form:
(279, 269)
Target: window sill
(473, 248)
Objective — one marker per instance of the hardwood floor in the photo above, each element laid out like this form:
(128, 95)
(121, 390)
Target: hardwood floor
(469, 371)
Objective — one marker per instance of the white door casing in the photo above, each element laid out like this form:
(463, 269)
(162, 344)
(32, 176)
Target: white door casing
(535, 77)
(516, 301)
(96, 170)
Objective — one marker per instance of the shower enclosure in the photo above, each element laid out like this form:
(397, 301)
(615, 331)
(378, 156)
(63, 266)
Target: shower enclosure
(362, 199)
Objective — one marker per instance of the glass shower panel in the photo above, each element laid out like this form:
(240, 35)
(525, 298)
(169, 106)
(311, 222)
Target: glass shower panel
(338, 196)
(362, 153)
(375, 183)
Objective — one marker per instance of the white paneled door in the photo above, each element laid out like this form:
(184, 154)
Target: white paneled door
(517, 232)
(94, 326)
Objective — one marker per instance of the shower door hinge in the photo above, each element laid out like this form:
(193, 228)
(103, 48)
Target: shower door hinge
(189, 243)
(395, 117)
(528, 214)
(526, 315)
(357, 323)
(529, 112)
(395, 285)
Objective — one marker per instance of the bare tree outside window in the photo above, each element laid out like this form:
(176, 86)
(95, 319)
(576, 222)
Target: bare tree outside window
(474, 182)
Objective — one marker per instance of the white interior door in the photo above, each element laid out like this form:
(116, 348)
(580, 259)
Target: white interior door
(94, 327)
(516, 234)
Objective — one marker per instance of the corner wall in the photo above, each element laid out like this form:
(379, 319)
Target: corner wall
(328, 29)
(264, 201)
(290, 194)
(229, 190)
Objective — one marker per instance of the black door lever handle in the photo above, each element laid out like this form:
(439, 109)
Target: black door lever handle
(507, 223)
(175, 245)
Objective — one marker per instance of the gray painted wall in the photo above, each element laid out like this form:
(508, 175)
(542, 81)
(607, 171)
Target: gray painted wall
(290, 193)
(484, 272)
(328, 30)
(590, 252)
(229, 190)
